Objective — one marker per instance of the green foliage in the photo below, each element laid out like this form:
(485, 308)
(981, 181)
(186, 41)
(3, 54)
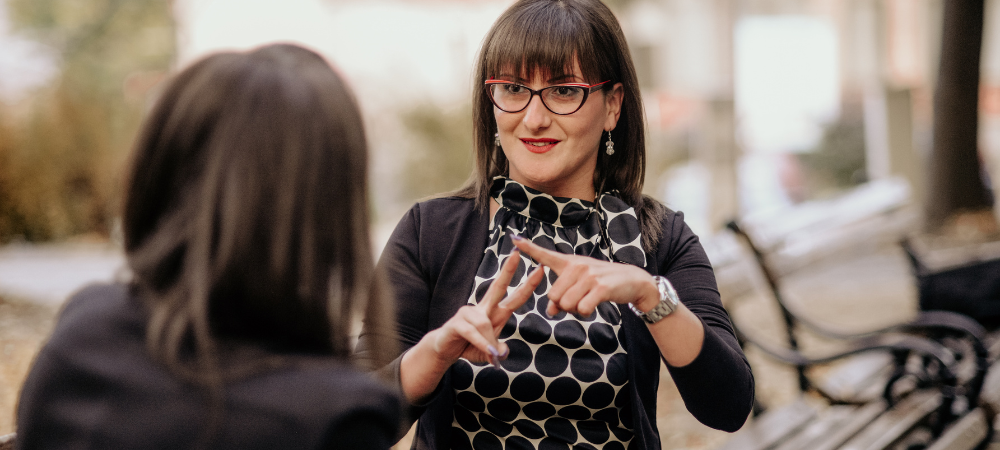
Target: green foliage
(838, 161)
(61, 159)
(440, 156)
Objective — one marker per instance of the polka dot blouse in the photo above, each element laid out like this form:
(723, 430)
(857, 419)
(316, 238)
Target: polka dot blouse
(565, 382)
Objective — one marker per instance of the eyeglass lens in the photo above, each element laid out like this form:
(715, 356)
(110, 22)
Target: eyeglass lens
(512, 97)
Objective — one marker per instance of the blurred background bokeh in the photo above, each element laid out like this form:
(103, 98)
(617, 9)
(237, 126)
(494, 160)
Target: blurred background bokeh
(751, 105)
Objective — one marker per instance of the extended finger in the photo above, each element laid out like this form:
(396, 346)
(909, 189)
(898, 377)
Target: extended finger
(522, 293)
(556, 261)
(498, 288)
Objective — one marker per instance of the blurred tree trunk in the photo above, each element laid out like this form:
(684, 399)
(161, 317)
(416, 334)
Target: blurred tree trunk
(956, 184)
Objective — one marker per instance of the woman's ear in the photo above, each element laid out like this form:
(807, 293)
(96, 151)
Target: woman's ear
(613, 104)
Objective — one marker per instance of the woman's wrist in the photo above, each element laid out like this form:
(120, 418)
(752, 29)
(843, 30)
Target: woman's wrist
(649, 296)
(421, 369)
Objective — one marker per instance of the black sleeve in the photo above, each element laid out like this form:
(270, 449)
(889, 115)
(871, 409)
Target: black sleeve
(717, 387)
(411, 288)
(360, 431)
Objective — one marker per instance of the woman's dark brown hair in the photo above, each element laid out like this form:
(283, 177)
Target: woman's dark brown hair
(246, 215)
(549, 35)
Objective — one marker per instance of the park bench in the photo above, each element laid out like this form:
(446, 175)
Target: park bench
(915, 384)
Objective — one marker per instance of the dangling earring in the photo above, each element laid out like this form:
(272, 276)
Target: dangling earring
(496, 139)
(610, 145)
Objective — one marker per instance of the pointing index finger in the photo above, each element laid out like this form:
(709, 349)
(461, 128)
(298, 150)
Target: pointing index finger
(498, 289)
(554, 261)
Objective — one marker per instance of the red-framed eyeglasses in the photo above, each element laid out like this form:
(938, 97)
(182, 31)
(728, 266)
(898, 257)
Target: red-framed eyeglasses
(561, 99)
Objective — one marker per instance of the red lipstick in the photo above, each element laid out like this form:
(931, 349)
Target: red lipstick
(540, 145)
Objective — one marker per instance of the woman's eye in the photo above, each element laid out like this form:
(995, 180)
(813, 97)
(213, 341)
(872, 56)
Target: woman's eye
(566, 91)
(514, 89)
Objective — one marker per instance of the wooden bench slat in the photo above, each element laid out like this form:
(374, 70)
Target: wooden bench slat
(862, 416)
(895, 422)
(773, 427)
(830, 420)
(965, 434)
(859, 378)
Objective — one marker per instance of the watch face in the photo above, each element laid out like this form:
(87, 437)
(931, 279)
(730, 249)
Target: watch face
(668, 302)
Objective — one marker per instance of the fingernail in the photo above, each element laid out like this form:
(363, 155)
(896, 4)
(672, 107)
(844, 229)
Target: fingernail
(495, 356)
(516, 237)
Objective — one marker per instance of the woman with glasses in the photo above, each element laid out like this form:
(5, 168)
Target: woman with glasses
(535, 304)
(246, 232)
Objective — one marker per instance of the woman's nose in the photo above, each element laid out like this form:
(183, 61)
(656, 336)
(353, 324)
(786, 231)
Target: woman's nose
(536, 115)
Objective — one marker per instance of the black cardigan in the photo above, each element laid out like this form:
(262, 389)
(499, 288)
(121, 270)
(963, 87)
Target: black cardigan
(432, 257)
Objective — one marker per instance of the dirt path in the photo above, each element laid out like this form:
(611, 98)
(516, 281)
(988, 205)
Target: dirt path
(24, 326)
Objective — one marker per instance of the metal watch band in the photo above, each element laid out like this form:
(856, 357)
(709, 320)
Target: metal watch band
(668, 302)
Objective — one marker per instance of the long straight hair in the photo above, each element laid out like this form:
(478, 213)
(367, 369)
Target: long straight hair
(549, 35)
(246, 215)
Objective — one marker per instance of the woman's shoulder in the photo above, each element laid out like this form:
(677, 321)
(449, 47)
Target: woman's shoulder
(445, 204)
(95, 314)
(668, 218)
(444, 215)
(97, 298)
(674, 234)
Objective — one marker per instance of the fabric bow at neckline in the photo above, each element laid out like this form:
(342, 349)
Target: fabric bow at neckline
(535, 204)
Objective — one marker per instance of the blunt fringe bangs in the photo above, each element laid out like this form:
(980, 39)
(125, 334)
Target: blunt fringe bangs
(246, 218)
(549, 36)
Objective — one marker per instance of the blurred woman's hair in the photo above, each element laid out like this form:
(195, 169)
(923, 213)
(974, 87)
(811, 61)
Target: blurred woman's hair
(246, 215)
(549, 36)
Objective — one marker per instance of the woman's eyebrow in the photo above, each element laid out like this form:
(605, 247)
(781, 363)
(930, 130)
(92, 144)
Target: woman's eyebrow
(563, 78)
(508, 77)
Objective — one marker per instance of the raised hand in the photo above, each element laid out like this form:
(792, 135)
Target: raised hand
(585, 282)
(472, 332)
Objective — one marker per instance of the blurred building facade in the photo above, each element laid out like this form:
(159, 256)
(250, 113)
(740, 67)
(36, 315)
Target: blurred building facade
(751, 104)
(847, 85)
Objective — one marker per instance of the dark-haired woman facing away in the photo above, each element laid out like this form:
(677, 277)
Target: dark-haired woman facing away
(521, 330)
(246, 232)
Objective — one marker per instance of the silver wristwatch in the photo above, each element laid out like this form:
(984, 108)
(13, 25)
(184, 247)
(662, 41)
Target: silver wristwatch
(668, 302)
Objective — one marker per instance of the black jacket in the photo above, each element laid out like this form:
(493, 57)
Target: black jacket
(94, 385)
(430, 262)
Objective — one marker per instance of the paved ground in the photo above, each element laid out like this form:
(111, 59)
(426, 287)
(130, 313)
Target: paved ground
(858, 293)
(47, 274)
(23, 328)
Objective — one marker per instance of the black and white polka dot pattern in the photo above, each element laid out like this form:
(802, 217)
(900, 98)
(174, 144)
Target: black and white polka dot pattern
(565, 383)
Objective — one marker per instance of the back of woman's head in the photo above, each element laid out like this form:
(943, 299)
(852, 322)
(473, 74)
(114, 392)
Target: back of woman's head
(246, 212)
